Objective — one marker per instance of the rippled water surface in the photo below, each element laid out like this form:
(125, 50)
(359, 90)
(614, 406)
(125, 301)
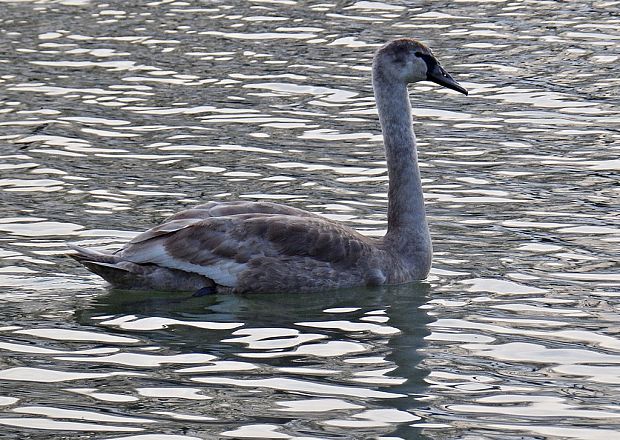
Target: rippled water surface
(114, 115)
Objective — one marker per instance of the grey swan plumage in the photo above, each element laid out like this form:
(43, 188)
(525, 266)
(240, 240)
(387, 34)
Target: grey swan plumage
(244, 246)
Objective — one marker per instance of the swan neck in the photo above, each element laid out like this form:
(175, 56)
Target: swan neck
(407, 226)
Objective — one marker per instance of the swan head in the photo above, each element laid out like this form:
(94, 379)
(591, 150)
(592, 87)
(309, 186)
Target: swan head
(407, 61)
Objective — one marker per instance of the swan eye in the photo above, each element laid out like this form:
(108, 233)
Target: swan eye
(431, 61)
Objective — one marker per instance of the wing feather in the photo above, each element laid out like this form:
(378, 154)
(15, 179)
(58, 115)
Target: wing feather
(222, 247)
(163, 229)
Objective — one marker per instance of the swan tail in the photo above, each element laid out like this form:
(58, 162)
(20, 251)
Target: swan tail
(84, 254)
(124, 274)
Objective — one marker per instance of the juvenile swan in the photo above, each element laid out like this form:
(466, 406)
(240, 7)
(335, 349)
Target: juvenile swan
(266, 247)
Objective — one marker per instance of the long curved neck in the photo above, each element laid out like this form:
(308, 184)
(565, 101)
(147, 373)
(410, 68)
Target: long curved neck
(407, 226)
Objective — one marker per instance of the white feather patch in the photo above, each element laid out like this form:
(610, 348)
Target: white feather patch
(225, 272)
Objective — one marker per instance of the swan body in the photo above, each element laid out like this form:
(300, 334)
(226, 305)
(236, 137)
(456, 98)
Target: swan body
(248, 247)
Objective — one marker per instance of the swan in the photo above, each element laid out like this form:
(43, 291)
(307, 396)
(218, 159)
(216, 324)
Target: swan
(248, 247)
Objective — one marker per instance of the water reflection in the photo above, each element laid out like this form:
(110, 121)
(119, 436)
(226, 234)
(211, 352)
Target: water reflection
(339, 375)
(113, 117)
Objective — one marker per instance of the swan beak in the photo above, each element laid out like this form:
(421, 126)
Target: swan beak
(439, 76)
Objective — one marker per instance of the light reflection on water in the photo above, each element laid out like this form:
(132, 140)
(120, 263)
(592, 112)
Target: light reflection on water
(115, 115)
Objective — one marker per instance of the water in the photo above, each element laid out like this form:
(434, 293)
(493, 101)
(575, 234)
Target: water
(115, 115)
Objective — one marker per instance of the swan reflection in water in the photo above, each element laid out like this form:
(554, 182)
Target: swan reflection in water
(357, 347)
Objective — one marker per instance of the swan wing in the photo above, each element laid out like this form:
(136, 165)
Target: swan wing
(222, 248)
(208, 210)
(164, 229)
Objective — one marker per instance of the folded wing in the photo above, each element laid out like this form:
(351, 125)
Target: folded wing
(221, 241)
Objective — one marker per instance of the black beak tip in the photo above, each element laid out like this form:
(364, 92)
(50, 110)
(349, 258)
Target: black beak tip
(439, 76)
(452, 84)
(457, 88)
